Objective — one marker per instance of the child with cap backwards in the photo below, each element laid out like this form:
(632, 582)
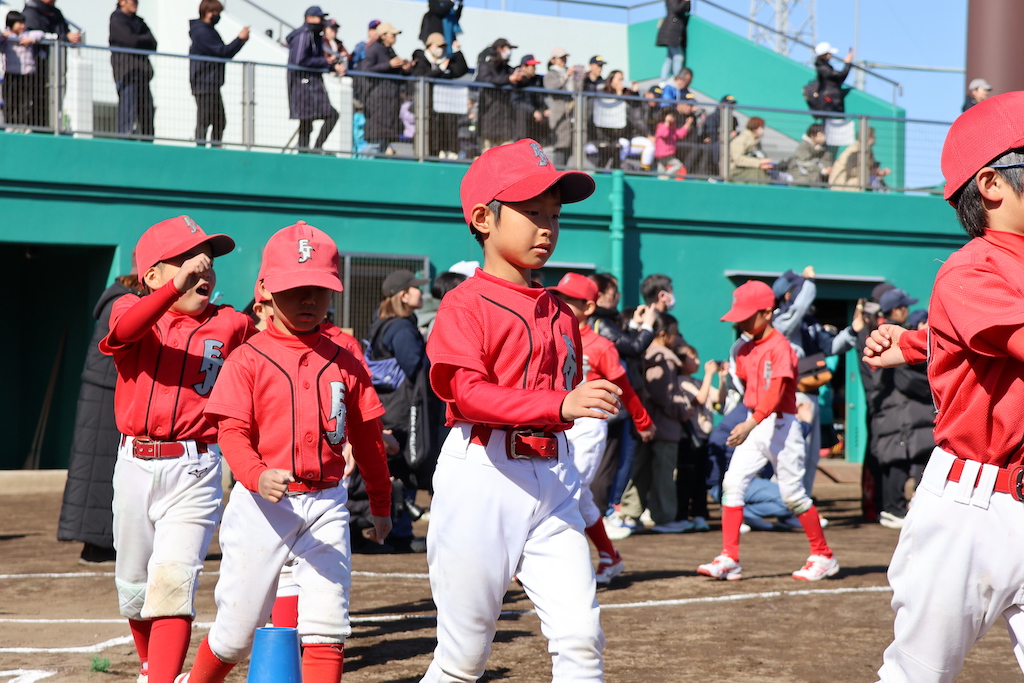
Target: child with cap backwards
(287, 403)
(959, 563)
(588, 435)
(168, 348)
(506, 359)
(766, 365)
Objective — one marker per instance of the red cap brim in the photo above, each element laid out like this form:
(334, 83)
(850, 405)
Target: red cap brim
(738, 314)
(575, 186)
(280, 282)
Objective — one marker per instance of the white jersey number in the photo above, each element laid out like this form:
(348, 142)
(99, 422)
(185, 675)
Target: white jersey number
(337, 435)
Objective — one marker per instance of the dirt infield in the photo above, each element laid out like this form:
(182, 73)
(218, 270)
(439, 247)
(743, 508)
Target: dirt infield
(767, 627)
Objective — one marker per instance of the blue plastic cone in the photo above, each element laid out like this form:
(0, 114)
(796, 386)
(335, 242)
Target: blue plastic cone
(275, 656)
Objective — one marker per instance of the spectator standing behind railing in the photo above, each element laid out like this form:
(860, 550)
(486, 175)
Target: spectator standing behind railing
(42, 15)
(713, 133)
(812, 162)
(830, 81)
(132, 73)
(672, 36)
(307, 96)
(20, 82)
(845, 175)
(529, 110)
(495, 106)
(679, 88)
(560, 77)
(432, 63)
(332, 44)
(206, 78)
(621, 125)
(383, 95)
(442, 17)
(359, 51)
(748, 161)
(978, 90)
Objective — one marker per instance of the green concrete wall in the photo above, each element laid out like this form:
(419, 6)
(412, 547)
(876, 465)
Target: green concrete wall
(725, 63)
(72, 217)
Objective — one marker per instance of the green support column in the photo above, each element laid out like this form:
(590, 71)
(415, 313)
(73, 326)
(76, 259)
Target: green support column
(617, 228)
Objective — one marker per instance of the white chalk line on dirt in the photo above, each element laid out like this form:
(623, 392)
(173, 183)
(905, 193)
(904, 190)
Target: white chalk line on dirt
(26, 675)
(385, 618)
(80, 575)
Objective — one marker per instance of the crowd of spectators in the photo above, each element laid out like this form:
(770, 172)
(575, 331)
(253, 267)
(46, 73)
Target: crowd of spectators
(497, 97)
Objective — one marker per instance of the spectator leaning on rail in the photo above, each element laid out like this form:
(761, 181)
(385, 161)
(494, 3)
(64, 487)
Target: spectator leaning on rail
(812, 162)
(333, 47)
(42, 15)
(713, 133)
(382, 99)
(18, 52)
(672, 36)
(207, 77)
(132, 73)
(528, 108)
(845, 175)
(432, 63)
(359, 51)
(495, 119)
(307, 96)
(560, 77)
(978, 90)
(830, 81)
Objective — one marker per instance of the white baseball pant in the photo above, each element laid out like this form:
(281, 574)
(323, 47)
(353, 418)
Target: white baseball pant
(493, 517)
(780, 441)
(165, 511)
(257, 538)
(587, 438)
(958, 568)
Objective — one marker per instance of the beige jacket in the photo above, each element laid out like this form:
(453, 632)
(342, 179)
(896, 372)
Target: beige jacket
(845, 176)
(741, 146)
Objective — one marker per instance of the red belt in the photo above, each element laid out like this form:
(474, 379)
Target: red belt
(520, 443)
(304, 486)
(1009, 480)
(146, 449)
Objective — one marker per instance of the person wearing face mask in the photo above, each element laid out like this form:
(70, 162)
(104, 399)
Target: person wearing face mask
(332, 43)
(442, 17)
(529, 109)
(307, 96)
(382, 100)
(495, 107)
(207, 77)
(658, 293)
(432, 63)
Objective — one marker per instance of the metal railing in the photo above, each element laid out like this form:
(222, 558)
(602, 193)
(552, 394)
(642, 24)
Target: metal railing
(174, 99)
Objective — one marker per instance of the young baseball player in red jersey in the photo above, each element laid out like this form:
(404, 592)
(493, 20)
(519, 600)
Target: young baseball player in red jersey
(504, 357)
(588, 435)
(168, 348)
(959, 563)
(286, 404)
(767, 367)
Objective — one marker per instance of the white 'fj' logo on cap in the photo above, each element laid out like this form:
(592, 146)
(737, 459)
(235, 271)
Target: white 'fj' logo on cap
(192, 225)
(542, 158)
(305, 250)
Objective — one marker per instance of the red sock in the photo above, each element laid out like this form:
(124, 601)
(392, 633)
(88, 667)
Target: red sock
(286, 612)
(140, 632)
(599, 536)
(208, 668)
(322, 662)
(812, 527)
(169, 638)
(732, 518)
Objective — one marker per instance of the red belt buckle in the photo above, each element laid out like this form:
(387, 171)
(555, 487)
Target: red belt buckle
(146, 449)
(525, 443)
(1017, 482)
(301, 486)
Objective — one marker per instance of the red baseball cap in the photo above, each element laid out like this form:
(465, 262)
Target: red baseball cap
(980, 135)
(576, 286)
(173, 237)
(300, 256)
(515, 173)
(749, 298)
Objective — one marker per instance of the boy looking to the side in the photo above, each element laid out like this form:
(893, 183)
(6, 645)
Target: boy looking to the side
(766, 365)
(506, 359)
(168, 348)
(588, 435)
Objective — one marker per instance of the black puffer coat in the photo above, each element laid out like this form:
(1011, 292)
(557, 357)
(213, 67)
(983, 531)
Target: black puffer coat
(672, 32)
(86, 514)
(307, 96)
(495, 118)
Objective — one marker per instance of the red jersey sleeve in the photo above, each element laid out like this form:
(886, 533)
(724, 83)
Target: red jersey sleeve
(131, 317)
(641, 418)
(989, 319)
(482, 402)
(456, 341)
(234, 437)
(368, 450)
(914, 346)
(232, 395)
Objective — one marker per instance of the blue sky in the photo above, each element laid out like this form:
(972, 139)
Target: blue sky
(914, 32)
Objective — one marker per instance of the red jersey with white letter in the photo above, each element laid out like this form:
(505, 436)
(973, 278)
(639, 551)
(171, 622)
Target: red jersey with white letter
(601, 361)
(295, 394)
(165, 377)
(511, 352)
(758, 362)
(345, 341)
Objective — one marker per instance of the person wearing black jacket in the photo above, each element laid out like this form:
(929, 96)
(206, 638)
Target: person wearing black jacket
(830, 81)
(672, 37)
(42, 15)
(434, 20)
(631, 343)
(443, 140)
(495, 107)
(207, 77)
(132, 72)
(307, 96)
(383, 95)
(86, 515)
(528, 108)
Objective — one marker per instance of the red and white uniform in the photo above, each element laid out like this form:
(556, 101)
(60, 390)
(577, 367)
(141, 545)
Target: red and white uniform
(767, 368)
(505, 356)
(345, 341)
(588, 435)
(959, 565)
(291, 402)
(165, 510)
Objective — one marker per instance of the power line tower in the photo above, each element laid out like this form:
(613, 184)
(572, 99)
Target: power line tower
(791, 19)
